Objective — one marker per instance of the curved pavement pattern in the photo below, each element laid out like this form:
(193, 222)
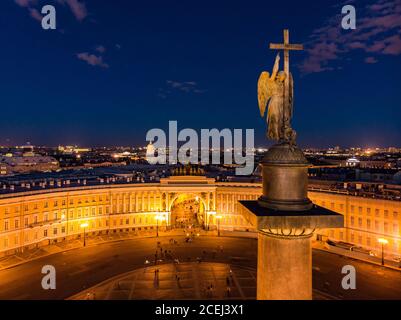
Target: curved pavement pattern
(83, 268)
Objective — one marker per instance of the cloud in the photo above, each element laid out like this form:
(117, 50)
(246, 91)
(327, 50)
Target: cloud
(100, 49)
(186, 86)
(378, 29)
(179, 86)
(92, 59)
(25, 3)
(370, 60)
(35, 14)
(77, 8)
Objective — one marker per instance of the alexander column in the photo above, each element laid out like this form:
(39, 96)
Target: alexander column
(284, 216)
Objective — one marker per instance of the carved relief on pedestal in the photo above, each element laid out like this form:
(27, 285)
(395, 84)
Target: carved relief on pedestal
(291, 233)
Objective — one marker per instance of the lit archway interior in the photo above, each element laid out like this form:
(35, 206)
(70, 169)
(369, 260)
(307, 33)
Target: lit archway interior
(187, 210)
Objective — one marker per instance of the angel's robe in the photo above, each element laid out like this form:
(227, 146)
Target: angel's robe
(275, 113)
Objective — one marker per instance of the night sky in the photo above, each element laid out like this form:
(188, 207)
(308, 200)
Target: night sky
(115, 69)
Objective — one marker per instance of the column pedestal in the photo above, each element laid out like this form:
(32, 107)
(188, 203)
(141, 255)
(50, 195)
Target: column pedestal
(284, 267)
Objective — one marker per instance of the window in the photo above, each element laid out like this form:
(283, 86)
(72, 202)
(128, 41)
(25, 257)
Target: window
(6, 225)
(35, 219)
(63, 203)
(46, 204)
(46, 217)
(100, 210)
(360, 222)
(62, 229)
(395, 215)
(127, 221)
(368, 223)
(368, 211)
(352, 209)
(377, 225)
(55, 203)
(377, 212)
(395, 228)
(93, 211)
(360, 209)
(26, 221)
(385, 227)
(386, 214)
(352, 221)
(16, 224)
(55, 231)
(45, 233)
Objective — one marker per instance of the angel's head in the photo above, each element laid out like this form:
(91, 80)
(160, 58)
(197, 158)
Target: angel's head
(281, 76)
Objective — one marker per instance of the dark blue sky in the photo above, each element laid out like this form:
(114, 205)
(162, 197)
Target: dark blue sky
(114, 69)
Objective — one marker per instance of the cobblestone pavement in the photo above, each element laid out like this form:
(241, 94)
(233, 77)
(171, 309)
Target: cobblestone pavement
(178, 281)
(204, 281)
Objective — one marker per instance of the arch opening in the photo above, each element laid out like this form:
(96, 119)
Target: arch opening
(187, 210)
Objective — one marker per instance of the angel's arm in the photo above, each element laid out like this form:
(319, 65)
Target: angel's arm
(275, 68)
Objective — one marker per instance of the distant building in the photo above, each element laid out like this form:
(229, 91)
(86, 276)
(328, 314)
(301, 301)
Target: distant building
(352, 162)
(25, 163)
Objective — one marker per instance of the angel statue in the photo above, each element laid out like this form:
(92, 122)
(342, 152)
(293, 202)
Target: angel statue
(271, 93)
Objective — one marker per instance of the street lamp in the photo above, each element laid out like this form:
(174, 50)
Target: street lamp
(161, 218)
(383, 242)
(218, 217)
(84, 226)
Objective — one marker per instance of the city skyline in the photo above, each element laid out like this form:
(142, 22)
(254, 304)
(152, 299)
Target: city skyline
(111, 72)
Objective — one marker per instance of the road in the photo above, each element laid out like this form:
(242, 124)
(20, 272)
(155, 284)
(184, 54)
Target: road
(82, 268)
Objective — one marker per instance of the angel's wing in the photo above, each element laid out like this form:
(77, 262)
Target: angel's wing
(263, 92)
(291, 97)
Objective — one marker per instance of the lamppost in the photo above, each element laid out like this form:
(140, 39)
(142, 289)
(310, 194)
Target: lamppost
(84, 226)
(161, 218)
(383, 242)
(218, 217)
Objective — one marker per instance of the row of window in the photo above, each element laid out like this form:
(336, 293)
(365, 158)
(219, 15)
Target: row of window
(359, 209)
(72, 201)
(377, 225)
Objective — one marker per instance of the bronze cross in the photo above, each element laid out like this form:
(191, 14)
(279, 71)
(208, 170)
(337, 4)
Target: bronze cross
(286, 46)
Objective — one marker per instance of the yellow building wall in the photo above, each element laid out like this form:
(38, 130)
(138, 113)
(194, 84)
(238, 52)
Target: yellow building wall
(37, 218)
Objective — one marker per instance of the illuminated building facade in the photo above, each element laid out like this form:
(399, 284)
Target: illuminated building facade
(37, 218)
